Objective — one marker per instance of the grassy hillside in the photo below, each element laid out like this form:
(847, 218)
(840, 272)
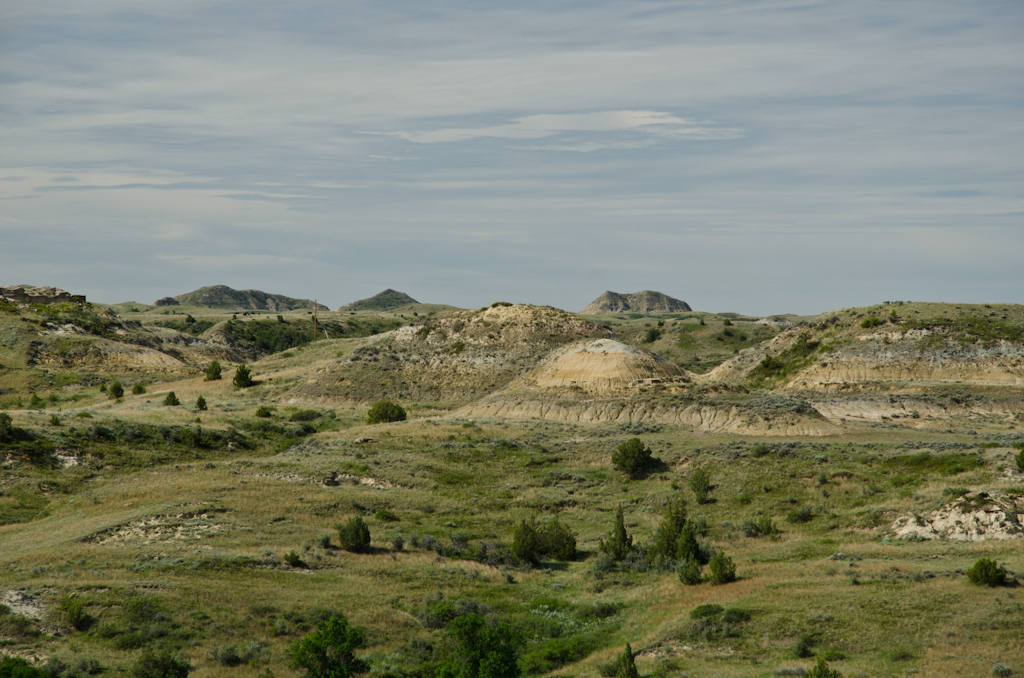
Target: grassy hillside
(223, 297)
(213, 532)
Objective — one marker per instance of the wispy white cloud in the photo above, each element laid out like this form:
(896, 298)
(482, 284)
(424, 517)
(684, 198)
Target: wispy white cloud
(544, 125)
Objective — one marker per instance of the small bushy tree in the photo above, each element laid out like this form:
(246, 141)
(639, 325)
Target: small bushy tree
(329, 652)
(631, 457)
(619, 544)
(525, 542)
(689, 572)
(823, 670)
(243, 377)
(986, 572)
(16, 667)
(171, 400)
(6, 426)
(354, 535)
(700, 483)
(667, 536)
(138, 388)
(201, 404)
(557, 540)
(73, 611)
(1020, 458)
(385, 411)
(476, 649)
(116, 390)
(627, 664)
(687, 545)
(213, 371)
(721, 569)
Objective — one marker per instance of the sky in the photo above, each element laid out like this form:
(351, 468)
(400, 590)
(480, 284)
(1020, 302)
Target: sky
(762, 157)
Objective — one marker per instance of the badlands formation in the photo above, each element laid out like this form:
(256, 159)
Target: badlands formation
(853, 467)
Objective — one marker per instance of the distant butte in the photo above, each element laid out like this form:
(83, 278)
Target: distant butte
(639, 302)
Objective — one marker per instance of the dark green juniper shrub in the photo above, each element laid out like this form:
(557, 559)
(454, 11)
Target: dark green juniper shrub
(823, 670)
(802, 649)
(16, 667)
(673, 521)
(171, 400)
(354, 535)
(329, 651)
(721, 569)
(116, 390)
(243, 377)
(619, 544)
(264, 412)
(631, 457)
(213, 371)
(700, 484)
(987, 572)
(800, 515)
(557, 540)
(385, 412)
(74, 613)
(201, 404)
(138, 388)
(526, 543)
(626, 665)
(689, 572)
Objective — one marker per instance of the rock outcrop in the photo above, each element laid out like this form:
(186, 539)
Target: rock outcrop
(972, 517)
(166, 301)
(638, 302)
(28, 294)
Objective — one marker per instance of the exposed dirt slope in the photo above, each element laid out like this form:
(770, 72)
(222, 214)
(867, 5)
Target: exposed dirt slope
(603, 366)
(972, 517)
(901, 346)
(455, 357)
(707, 415)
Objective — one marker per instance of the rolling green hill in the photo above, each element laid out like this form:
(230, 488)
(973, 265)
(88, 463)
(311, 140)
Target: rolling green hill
(385, 301)
(222, 296)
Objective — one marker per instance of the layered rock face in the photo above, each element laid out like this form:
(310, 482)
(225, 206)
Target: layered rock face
(28, 294)
(603, 366)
